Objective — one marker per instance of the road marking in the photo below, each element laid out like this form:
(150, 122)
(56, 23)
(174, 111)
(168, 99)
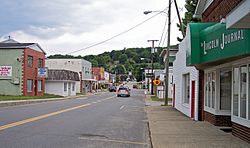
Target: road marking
(48, 115)
(116, 141)
(121, 107)
(40, 117)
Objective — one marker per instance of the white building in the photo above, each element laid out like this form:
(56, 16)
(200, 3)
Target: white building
(186, 83)
(61, 82)
(83, 67)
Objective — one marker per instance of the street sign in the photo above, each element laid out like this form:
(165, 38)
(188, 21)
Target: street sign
(157, 82)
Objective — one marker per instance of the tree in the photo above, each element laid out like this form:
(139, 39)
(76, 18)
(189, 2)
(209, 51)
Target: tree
(123, 58)
(190, 7)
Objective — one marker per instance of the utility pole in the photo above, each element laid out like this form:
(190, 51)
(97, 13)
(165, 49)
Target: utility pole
(167, 54)
(152, 56)
(179, 18)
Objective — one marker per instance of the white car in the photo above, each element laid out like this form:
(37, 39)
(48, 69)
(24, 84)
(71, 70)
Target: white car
(123, 91)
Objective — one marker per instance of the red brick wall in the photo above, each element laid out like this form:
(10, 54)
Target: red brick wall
(218, 9)
(217, 120)
(31, 72)
(241, 131)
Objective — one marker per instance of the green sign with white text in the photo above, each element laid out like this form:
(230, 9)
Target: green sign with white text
(215, 43)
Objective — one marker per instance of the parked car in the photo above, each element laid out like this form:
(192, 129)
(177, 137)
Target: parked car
(135, 86)
(112, 88)
(123, 91)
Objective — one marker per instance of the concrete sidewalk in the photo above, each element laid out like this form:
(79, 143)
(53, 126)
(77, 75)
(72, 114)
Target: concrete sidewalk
(170, 128)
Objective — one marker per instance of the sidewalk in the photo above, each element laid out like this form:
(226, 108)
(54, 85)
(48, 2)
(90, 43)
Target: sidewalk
(170, 128)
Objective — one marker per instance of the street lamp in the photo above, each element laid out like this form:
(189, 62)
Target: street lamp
(168, 46)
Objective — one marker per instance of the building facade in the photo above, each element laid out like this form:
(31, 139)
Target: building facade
(81, 66)
(185, 84)
(61, 82)
(22, 69)
(220, 50)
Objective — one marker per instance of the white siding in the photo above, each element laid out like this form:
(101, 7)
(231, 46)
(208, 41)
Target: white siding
(76, 65)
(179, 69)
(57, 88)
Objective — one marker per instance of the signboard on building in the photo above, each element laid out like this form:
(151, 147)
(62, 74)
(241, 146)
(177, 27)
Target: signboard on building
(42, 72)
(5, 71)
(210, 43)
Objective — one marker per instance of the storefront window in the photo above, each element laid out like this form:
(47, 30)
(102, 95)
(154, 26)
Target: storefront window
(225, 90)
(235, 91)
(210, 88)
(243, 90)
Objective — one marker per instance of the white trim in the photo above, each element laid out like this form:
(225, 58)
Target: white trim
(240, 121)
(235, 16)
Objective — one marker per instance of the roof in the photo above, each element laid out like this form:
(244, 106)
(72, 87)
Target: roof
(164, 52)
(64, 75)
(16, 45)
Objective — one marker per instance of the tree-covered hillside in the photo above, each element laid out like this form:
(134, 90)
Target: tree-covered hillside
(123, 61)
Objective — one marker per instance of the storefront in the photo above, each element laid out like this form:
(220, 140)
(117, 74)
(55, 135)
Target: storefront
(224, 56)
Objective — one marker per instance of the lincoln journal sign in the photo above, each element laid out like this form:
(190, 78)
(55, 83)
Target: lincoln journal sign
(224, 40)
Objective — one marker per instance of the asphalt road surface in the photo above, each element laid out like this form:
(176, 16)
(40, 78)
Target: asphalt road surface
(97, 121)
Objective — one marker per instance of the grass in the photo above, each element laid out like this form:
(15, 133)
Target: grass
(45, 96)
(155, 98)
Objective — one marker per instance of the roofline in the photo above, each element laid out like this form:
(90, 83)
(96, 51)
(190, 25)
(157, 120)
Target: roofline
(163, 52)
(199, 8)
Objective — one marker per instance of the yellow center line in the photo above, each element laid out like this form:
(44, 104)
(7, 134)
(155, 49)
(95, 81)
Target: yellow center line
(47, 115)
(40, 117)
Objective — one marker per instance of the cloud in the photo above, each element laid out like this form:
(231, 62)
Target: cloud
(62, 26)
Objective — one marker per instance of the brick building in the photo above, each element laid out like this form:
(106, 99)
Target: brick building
(21, 68)
(219, 49)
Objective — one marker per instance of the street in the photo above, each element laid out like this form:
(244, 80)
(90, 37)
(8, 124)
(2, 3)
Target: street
(100, 120)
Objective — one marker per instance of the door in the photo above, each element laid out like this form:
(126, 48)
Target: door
(69, 89)
(193, 100)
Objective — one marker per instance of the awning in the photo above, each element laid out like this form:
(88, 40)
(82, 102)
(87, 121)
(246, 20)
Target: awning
(89, 80)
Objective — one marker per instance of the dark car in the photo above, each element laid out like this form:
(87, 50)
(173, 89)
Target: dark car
(112, 88)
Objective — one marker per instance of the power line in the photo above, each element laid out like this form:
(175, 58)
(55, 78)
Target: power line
(119, 34)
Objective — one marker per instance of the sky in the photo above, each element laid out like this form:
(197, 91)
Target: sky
(66, 26)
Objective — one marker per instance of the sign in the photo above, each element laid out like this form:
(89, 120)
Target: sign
(5, 71)
(213, 42)
(42, 72)
(157, 82)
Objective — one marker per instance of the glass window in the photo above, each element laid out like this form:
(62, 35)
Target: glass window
(65, 86)
(40, 63)
(29, 85)
(213, 89)
(243, 90)
(236, 91)
(210, 87)
(30, 61)
(186, 88)
(40, 85)
(225, 90)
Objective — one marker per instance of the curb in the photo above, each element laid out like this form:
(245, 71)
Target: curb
(23, 102)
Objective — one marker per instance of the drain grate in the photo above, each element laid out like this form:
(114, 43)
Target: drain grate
(226, 130)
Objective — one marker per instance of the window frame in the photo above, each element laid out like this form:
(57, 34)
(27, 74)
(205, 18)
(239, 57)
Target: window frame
(39, 85)
(30, 61)
(29, 85)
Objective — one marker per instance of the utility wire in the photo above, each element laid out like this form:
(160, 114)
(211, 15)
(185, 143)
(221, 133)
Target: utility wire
(119, 34)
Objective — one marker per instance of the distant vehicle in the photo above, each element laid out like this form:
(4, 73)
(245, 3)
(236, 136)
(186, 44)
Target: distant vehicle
(112, 88)
(135, 86)
(123, 91)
